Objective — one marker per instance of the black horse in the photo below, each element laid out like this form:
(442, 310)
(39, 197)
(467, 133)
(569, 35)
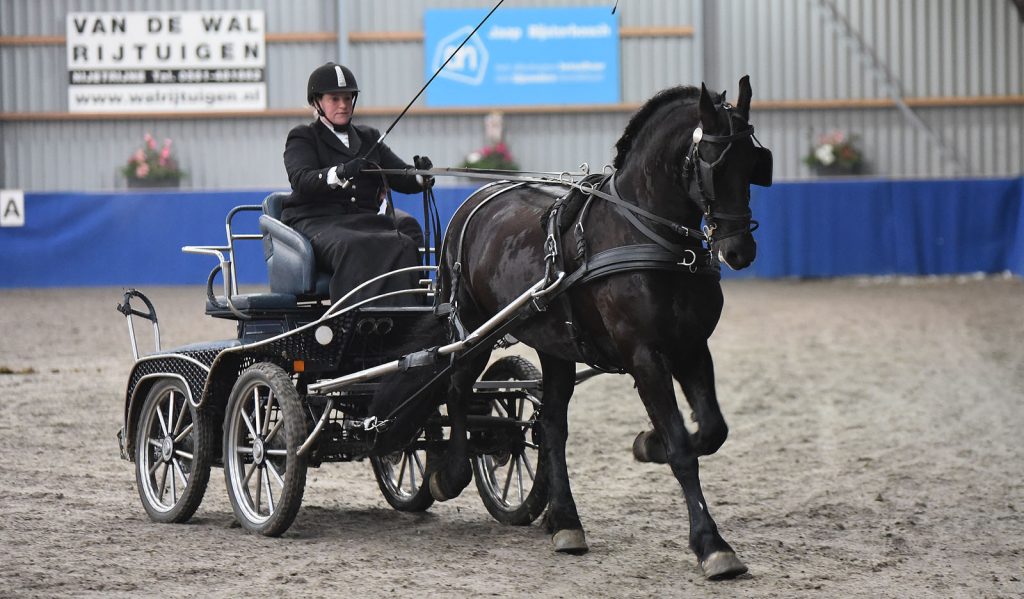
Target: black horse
(649, 303)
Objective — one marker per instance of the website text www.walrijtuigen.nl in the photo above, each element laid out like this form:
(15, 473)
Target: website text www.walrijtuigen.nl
(159, 97)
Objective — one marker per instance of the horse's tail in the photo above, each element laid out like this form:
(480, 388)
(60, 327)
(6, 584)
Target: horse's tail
(404, 401)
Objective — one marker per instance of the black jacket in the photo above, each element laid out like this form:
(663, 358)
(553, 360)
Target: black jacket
(311, 151)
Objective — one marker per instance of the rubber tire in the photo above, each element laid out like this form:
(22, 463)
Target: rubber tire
(200, 442)
(294, 431)
(515, 368)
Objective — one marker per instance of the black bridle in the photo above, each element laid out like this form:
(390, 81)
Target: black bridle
(699, 181)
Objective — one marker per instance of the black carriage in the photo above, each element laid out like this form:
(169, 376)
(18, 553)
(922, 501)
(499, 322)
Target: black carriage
(292, 391)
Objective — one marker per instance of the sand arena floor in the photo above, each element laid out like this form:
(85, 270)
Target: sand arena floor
(876, 450)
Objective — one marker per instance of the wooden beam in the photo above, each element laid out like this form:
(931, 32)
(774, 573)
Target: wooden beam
(385, 111)
(377, 37)
(31, 40)
(680, 31)
(291, 37)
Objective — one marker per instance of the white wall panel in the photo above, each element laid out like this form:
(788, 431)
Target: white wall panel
(933, 48)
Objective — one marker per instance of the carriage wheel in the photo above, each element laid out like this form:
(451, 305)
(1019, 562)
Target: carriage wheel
(173, 451)
(263, 429)
(402, 476)
(514, 485)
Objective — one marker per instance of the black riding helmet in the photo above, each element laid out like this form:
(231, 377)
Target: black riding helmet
(331, 77)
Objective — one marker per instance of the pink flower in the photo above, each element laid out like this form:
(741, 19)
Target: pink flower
(142, 170)
(150, 142)
(139, 156)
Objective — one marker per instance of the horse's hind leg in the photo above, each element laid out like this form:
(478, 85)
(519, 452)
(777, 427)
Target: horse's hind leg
(455, 474)
(562, 519)
(651, 372)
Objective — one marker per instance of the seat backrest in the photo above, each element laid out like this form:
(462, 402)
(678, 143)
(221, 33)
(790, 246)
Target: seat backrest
(273, 204)
(291, 266)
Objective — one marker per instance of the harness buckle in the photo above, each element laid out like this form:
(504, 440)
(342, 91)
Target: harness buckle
(550, 248)
(693, 258)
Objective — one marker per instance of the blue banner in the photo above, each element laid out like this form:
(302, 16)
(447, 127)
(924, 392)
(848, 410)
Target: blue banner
(808, 229)
(523, 56)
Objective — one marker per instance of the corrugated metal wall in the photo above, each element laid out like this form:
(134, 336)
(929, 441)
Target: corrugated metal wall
(932, 48)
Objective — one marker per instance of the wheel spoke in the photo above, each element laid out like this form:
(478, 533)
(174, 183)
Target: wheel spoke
(529, 467)
(259, 489)
(154, 443)
(244, 450)
(170, 413)
(273, 470)
(181, 415)
(401, 471)
(273, 431)
(266, 413)
(519, 480)
(255, 411)
(184, 454)
(419, 465)
(270, 493)
(181, 474)
(181, 436)
(248, 424)
(508, 483)
(160, 417)
(153, 468)
(174, 485)
(248, 475)
(277, 452)
(163, 484)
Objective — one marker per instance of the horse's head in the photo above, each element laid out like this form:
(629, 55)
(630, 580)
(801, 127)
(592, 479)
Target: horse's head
(686, 143)
(721, 164)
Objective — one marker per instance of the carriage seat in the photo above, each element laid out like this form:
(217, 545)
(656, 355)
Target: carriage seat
(291, 267)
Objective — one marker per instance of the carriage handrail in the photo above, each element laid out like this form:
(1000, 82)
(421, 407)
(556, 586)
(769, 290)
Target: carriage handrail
(126, 308)
(333, 309)
(232, 237)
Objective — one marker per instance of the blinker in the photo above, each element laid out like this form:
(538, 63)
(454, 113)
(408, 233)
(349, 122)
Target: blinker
(761, 174)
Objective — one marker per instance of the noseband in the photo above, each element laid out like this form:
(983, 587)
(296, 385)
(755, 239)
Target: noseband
(699, 180)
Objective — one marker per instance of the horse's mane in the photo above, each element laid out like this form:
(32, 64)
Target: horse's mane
(681, 94)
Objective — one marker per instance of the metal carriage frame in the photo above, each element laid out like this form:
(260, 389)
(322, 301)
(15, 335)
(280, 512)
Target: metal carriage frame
(291, 392)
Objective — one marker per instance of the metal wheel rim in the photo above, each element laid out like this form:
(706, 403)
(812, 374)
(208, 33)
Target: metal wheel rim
(256, 471)
(167, 472)
(404, 472)
(506, 480)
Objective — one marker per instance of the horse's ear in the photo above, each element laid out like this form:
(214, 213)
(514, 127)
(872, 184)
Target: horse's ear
(743, 105)
(708, 114)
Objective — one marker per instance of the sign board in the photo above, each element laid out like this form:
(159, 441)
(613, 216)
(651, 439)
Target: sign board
(166, 61)
(523, 56)
(12, 208)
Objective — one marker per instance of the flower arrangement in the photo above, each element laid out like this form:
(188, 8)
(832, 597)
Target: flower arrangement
(493, 157)
(152, 163)
(835, 152)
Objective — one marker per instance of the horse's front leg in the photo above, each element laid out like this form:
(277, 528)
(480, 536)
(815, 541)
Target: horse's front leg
(562, 520)
(696, 375)
(456, 472)
(654, 383)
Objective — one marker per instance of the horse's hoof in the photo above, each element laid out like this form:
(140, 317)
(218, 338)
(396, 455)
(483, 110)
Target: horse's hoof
(570, 541)
(434, 483)
(722, 565)
(647, 447)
